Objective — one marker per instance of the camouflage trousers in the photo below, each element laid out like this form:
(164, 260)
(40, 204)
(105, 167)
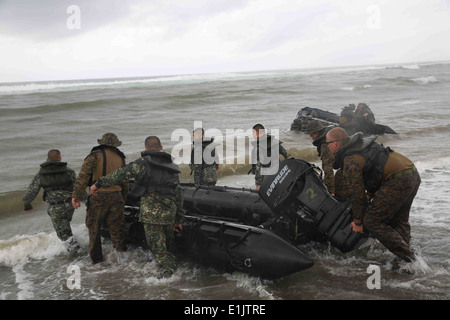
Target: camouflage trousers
(206, 176)
(259, 170)
(387, 217)
(258, 176)
(61, 216)
(159, 238)
(105, 208)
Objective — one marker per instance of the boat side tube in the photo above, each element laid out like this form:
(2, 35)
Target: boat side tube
(226, 245)
(235, 247)
(242, 204)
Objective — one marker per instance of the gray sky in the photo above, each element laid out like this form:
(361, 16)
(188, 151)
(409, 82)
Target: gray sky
(43, 40)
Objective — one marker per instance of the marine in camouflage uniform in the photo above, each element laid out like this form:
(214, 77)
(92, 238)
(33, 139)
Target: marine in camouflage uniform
(260, 157)
(363, 111)
(387, 178)
(161, 204)
(318, 133)
(107, 206)
(57, 181)
(347, 118)
(365, 118)
(205, 170)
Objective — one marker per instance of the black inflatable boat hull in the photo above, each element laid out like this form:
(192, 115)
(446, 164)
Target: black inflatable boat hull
(235, 247)
(226, 245)
(330, 119)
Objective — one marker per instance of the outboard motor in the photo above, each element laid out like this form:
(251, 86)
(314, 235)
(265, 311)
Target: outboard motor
(297, 189)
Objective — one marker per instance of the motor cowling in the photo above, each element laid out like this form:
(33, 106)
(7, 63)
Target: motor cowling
(297, 187)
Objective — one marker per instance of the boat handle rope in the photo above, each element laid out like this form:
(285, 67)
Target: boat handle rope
(227, 248)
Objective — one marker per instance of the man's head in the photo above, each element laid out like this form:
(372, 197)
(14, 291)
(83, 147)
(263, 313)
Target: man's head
(335, 139)
(153, 143)
(258, 131)
(362, 105)
(54, 155)
(198, 133)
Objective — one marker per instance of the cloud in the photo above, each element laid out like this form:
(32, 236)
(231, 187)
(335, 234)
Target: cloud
(47, 19)
(138, 38)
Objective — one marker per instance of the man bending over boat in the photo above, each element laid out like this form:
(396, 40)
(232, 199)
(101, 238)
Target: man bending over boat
(391, 181)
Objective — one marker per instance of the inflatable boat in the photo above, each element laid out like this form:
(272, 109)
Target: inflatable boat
(258, 232)
(329, 119)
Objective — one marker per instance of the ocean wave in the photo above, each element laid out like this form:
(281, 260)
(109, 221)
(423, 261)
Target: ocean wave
(441, 164)
(76, 85)
(440, 129)
(406, 66)
(57, 86)
(425, 80)
(407, 81)
(52, 86)
(411, 66)
(67, 106)
(20, 247)
(366, 86)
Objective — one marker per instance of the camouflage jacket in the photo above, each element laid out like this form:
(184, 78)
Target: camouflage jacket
(354, 183)
(155, 208)
(84, 178)
(204, 173)
(52, 196)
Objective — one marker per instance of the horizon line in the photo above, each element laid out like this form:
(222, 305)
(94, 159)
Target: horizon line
(225, 72)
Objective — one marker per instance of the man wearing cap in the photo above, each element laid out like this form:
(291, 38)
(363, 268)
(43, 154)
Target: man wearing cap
(107, 205)
(382, 185)
(161, 203)
(318, 132)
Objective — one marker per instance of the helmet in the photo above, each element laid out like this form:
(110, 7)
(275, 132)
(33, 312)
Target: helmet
(313, 126)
